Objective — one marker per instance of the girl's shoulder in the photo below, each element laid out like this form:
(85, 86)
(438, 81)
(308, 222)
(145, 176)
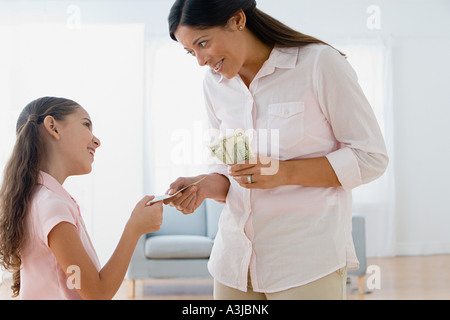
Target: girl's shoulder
(50, 205)
(44, 197)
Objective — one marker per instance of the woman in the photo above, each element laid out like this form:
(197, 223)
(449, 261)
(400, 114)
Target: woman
(284, 234)
(43, 239)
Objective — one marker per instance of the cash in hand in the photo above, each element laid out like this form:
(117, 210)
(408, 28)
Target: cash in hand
(232, 149)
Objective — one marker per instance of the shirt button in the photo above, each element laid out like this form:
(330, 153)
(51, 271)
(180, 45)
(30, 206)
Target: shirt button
(286, 112)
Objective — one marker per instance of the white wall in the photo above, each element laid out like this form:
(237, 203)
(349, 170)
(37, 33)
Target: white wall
(422, 111)
(420, 34)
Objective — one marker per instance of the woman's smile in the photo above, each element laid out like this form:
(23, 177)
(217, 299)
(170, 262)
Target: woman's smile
(218, 67)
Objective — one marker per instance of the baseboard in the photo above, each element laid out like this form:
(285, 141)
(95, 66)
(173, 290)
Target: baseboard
(420, 248)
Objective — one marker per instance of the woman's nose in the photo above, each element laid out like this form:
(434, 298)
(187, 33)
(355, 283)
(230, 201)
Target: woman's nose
(202, 60)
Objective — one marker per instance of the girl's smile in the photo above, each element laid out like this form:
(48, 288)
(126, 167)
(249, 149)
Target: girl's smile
(91, 151)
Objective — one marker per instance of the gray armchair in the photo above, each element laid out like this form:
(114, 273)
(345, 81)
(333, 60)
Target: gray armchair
(181, 249)
(359, 240)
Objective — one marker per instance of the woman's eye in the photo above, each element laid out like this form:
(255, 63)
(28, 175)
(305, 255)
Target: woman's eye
(203, 44)
(190, 52)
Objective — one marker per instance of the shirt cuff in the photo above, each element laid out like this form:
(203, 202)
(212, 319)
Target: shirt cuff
(219, 168)
(345, 165)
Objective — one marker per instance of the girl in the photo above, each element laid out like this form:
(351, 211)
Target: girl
(43, 239)
(285, 231)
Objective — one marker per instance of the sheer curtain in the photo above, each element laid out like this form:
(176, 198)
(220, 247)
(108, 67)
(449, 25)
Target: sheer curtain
(176, 130)
(177, 134)
(371, 59)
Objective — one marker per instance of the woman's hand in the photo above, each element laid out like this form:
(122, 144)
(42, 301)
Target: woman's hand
(188, 200)
(266, 173)
(213, 186)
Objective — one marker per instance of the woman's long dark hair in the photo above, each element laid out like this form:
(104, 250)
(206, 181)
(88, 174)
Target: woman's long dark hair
(204, 14)
(21, 177)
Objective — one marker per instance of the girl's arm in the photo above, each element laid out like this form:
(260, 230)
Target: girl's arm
(68, 249)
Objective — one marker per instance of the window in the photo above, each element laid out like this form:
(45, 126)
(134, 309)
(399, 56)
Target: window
(176, 119)
(376, 201)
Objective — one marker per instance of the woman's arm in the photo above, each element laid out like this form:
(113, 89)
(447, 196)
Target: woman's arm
(68, 249)
(316, 172)
(362, 155)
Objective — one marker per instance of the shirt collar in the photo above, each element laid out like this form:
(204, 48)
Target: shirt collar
(52, 184)
(282, 58)
(285, 58)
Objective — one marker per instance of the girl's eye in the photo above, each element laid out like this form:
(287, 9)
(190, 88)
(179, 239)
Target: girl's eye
(191, 53)
(203, 44)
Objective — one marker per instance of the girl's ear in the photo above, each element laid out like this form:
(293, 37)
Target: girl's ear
(51, 127)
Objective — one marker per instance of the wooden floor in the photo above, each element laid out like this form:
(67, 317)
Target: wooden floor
(401, 278)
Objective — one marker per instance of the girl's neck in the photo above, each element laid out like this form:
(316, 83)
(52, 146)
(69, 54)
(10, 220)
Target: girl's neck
(55, 172)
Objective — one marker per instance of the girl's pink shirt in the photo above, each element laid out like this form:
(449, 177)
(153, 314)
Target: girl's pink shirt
(41, 277)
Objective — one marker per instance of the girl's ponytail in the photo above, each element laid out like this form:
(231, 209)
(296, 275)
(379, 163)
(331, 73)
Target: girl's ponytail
(20, 178)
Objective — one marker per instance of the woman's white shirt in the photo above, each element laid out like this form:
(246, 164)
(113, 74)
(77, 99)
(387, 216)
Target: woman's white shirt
(304, 103)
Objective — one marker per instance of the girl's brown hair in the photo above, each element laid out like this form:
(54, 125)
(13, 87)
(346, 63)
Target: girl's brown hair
(21, 177)
(205, 14)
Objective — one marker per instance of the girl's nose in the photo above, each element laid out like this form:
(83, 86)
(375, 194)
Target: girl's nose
(96, 142)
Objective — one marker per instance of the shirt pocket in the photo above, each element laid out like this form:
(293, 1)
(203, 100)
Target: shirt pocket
(288, 118)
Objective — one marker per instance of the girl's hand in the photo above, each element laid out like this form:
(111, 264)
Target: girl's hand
(146, 219)
(266, 173)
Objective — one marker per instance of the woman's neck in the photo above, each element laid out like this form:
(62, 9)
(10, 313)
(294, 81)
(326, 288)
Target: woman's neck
(258, 53)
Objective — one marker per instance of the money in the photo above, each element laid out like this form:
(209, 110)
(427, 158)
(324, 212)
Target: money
(233, 148)
(168, 196)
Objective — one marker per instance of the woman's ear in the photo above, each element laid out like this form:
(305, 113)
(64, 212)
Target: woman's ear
(51, 127)
(238, 21)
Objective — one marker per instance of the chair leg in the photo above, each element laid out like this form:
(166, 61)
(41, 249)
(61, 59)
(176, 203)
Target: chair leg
(361, 285)
(131, 284)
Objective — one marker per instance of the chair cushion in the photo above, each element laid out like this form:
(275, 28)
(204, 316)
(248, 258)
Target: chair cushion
(179, 224)
(178, 247)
